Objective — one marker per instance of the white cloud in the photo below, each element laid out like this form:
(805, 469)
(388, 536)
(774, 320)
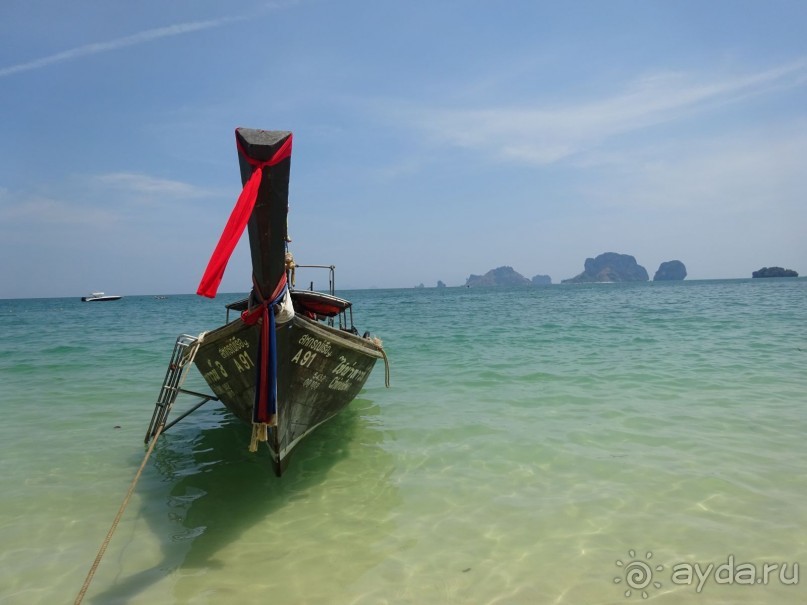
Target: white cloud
(45, 210)
(542, 135)
(101, 47)
(141, 185)
(138, 38)
(756, 170)
(96, 201)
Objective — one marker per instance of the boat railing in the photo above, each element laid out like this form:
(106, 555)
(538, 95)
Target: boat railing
(341, 309)
(331, 276)
(345, 314)
(239, 305)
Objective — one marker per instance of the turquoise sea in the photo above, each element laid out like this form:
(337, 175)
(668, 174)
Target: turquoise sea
(581, 444)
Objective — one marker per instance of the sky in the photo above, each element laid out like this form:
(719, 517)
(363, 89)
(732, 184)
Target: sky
(432, 139)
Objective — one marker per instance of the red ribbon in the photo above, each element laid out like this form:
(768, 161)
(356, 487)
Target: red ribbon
(238, 220)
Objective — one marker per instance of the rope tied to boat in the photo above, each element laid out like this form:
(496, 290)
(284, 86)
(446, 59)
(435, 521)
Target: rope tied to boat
(124, 504)
(264, 408)
(186, 359)
(377, 342)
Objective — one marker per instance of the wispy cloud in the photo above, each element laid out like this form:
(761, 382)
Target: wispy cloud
(101, 47)
(99, 200)
(758, 172)
(141, 185)
(542, 135)
(42, 210)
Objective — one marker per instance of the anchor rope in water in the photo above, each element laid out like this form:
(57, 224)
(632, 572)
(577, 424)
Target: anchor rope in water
(121, 510)
(183, 363)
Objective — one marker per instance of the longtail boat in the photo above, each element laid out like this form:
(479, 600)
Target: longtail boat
(292, 359)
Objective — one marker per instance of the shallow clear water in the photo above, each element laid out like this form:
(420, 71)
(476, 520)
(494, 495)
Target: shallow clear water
(535, 446)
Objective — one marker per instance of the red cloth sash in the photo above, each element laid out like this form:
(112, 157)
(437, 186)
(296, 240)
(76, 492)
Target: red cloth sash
(238, 220)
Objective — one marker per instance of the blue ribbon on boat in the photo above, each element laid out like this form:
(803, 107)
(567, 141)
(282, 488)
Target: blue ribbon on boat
(264, 408)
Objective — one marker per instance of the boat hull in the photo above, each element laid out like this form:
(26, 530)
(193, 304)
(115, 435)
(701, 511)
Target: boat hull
(320, 370)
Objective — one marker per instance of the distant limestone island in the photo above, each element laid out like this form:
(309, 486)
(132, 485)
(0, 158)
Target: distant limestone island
(774, 272)
(505, 276)
(611, 267)
(608, 267)
(671, 270)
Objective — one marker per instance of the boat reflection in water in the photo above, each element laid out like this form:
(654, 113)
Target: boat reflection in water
(247, 531)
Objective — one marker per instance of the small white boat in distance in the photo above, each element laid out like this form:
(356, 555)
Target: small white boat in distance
(98, 297)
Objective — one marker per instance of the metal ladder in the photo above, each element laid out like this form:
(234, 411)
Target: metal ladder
(181, 360)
